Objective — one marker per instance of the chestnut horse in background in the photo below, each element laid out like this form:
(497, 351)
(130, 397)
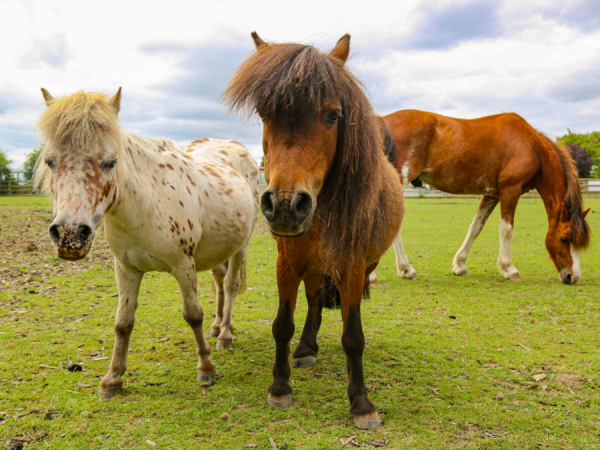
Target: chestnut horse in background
(500, 157)
(332, 197)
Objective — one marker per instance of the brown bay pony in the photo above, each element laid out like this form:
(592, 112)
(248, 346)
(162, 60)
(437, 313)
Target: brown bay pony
(332, 197)
(499, 157)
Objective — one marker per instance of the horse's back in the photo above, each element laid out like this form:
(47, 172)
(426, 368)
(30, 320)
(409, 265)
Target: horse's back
(232, 153)
(462, 155)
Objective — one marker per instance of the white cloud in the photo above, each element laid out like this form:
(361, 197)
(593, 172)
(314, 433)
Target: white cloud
(462, 58)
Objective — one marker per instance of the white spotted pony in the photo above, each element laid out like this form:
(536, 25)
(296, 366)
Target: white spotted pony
(164, 209)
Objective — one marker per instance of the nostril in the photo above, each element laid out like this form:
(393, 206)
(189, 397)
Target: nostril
(83, 233)
(567, 279)
(302, 205)
(267, 205)
(54, 234)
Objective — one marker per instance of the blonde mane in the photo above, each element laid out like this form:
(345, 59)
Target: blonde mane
(75, 123)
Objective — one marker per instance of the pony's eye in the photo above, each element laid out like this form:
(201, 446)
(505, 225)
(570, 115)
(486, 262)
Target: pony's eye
(109, 164)
(333, 117)
(564, 239)
(50, 163)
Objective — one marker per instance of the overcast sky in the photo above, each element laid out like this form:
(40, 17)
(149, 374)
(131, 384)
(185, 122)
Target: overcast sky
(538, 58)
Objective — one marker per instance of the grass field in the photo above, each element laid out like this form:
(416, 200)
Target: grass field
(452, 362)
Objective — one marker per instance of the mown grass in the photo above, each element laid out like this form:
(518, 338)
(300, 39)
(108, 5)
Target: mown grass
(439, 349)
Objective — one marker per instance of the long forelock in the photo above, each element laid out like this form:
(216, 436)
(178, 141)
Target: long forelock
(78, 120)
(283, 77)
(74, 123)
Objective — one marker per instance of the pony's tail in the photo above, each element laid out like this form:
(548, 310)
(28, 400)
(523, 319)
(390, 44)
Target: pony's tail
(330, 296)
(389, 143)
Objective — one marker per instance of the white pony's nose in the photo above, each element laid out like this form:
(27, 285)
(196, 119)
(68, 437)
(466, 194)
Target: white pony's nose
(73, 240)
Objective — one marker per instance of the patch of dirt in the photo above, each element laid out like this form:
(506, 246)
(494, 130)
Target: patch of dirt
(570, 380)
(28, 257)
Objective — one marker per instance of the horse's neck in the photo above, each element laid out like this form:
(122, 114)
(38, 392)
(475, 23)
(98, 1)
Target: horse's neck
(551, 185)
(134, 196)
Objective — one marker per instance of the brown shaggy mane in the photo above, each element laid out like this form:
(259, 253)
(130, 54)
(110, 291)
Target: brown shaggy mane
(296, 80)
(580, 230)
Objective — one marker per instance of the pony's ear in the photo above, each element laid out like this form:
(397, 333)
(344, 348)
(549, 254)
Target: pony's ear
(564, 213)
(342, 48)
(47, 97)
(585, 213)
(258, 42)
(115, 101)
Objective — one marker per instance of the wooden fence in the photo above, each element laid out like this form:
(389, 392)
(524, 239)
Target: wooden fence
(589, 187)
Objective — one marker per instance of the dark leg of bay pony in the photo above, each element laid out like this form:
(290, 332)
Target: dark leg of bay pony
(362, 409)
(280, 392)
(305, 354)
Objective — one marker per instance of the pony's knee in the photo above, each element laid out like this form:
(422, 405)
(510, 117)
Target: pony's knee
(194, 318)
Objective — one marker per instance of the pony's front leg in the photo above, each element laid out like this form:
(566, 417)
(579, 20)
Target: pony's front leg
(232, 284)
(218, 275)
(305, 354)
(128, 283)
(280, 391)
(486, 206)
(363, 411)
(403, 267)
(508, 205)
(194, 316)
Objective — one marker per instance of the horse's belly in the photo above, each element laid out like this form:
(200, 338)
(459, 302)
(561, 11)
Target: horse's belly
(456, 182)
(225, 231)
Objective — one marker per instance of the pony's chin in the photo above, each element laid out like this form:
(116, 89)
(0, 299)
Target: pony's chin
(283, 235)
(291, 232)
(71, 256)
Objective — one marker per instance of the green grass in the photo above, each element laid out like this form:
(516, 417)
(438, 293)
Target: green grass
(439, 349)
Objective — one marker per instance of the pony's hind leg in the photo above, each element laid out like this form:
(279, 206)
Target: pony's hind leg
(218, 275)
(403, 267)
(305, 354)
(194, 316)
(233, 281)
(128, 283)
(486, 206)
(508, 205)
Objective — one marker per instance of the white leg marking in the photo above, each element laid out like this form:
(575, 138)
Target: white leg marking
(576, 268)
(404, 176)
(403, 267)
(460, 259)
(505, 264)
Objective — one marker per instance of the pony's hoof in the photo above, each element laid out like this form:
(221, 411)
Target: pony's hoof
(282, 401)
(460, 272)
(106, 394)
(306, 361)
(224, 344)
(411, 276)
(206, 376)
(367, 421)
(514, 277)
(214, 333)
